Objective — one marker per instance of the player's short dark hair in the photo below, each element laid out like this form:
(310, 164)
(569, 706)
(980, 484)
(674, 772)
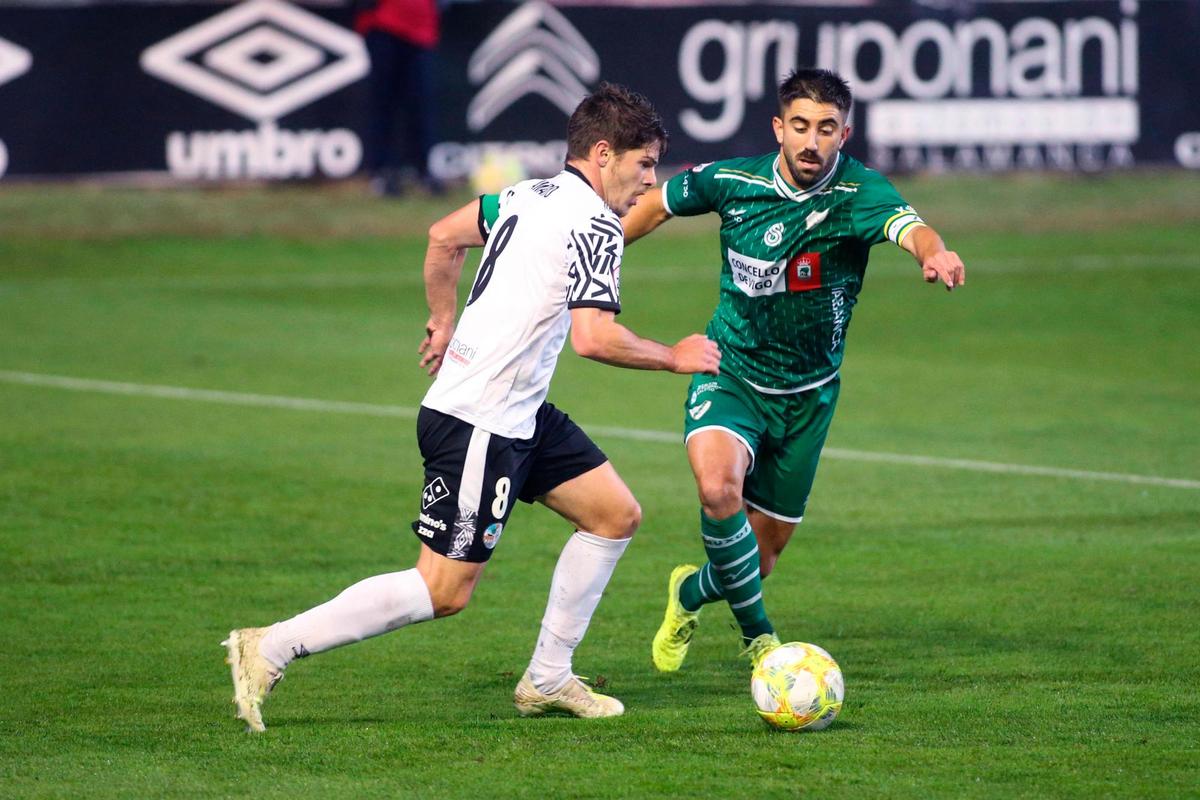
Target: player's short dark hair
(620, 116)
(818, 85)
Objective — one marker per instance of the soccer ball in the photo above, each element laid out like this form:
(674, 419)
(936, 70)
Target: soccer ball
(797, 687)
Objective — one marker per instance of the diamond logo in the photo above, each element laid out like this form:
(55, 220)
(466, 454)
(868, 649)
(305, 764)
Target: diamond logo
(14, 61)
(261, 59)
(535, 50)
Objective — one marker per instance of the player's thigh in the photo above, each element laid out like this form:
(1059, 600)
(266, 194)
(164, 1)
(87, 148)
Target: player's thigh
(718, 456)
(472, 479)
(573, 477)
(723, 427)
(598, 502)
(787, 462)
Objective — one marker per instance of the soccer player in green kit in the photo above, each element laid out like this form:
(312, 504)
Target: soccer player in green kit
(796, 229)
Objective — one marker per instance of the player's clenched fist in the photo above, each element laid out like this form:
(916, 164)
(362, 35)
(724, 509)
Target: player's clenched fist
(696, 353)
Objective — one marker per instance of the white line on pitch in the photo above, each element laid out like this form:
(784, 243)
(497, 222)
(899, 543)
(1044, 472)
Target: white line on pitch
(632, 434)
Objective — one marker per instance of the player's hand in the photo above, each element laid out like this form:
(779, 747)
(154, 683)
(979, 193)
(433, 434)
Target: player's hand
(946, 267)
(433, 346)
(696, 353)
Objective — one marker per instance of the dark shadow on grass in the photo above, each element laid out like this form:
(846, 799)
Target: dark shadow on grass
(312, 721)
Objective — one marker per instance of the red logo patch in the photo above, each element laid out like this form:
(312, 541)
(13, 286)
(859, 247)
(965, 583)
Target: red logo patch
(804, 272)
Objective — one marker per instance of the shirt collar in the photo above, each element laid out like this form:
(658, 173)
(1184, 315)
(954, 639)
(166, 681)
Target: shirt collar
(786, 191)
(575, 171)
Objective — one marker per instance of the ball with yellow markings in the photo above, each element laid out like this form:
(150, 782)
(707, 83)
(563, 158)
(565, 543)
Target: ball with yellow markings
(798, 686)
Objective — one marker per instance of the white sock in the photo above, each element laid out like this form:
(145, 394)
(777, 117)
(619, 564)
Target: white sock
(368, 608)
(584, 567)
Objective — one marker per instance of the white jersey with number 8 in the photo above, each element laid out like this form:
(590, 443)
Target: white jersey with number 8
(553, 246)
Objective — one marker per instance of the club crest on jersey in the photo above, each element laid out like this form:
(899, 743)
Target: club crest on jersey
(492, 534)
(804, 272)
(774, 235)
(696, 412)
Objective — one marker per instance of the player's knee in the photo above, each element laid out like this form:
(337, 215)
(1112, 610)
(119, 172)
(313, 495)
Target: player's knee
(720, 497)
(449, 604)
(631, 518)
(449, 598)
(621, 521)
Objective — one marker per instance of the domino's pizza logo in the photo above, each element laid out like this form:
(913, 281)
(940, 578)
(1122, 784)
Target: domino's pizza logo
(433, 492)
(15, 61)
(261, 59)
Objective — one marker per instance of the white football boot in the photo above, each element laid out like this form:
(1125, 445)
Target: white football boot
(575, 698)
(253, 675)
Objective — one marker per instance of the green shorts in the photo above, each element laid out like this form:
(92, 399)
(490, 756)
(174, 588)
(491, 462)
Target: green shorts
(783, 432)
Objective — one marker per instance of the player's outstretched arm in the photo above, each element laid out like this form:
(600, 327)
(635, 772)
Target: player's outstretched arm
(937, 263)
(645, 216)
(596, 334)
(449, 239)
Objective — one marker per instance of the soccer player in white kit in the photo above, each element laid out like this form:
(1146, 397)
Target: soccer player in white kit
(551, 267)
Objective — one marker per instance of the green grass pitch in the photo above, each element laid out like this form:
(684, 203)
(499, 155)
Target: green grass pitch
(1004, 633)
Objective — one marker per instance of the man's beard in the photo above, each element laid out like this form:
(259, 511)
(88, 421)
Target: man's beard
(793, 165)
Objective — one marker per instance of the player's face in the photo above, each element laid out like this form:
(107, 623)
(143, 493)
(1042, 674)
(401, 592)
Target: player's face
(629, 175)
(810, 134)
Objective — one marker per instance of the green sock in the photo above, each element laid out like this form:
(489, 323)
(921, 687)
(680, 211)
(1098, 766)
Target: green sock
(732, 573)
(700, 588)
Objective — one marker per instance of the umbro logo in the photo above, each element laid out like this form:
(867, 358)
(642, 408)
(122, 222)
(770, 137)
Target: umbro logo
(14, 61)
(535, 50)
(261, 59)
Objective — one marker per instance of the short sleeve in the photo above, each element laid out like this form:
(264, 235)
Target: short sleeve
(489, 212)
(880, 213)
(594, 264)
(691, 192)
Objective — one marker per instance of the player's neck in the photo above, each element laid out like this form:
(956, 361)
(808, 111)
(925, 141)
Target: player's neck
(589, 172)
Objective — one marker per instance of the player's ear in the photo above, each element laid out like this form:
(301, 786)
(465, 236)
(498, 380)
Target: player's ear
(846, 134)
(777, 125)
(602, 152)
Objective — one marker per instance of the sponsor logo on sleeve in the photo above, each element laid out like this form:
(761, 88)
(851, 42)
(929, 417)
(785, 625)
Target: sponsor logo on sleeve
(696, 412)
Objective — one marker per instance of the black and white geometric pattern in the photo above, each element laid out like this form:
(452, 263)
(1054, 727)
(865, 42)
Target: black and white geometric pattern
(464, 533)
(595, 265)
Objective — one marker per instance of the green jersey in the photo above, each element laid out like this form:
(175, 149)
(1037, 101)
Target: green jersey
(792, 261)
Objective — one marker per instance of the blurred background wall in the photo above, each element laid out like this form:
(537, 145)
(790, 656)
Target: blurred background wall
(276, 90)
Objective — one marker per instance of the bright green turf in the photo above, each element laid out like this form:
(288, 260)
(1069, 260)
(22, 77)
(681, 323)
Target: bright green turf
(1002, 635)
